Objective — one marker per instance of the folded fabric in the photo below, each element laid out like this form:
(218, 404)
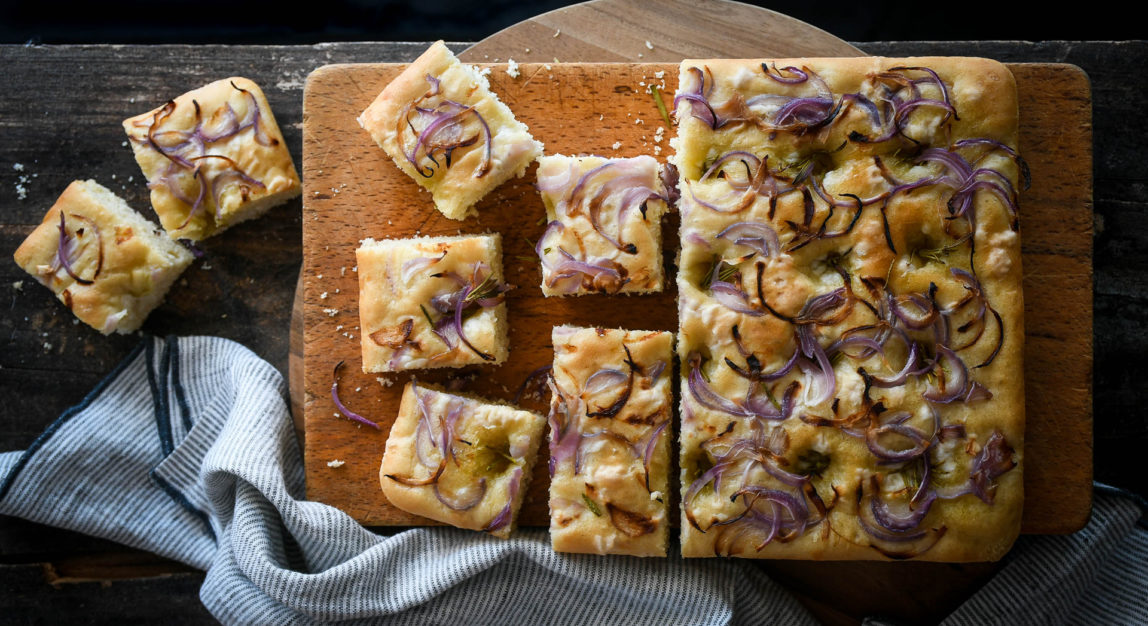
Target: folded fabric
(187, 450)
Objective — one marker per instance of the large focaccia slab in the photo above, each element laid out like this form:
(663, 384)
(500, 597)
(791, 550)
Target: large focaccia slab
(850, 308)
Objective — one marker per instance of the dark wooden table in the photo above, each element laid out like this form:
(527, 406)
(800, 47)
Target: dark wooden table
(60, 113)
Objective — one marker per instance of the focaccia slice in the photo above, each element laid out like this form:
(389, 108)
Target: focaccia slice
(605, 232)
(104, 261)
(851, 315)
(431, 302)
(442, 125)
(610, 434)
(213, 157)
(460, 460)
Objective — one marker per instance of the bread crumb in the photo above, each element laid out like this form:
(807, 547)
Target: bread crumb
(557, 32)
(335, 463)
(331, 312)
(484, 71)
(47, 346)
(18, 285)
(512, 68)
(323, 296)
(617, 144)
(649, 45)
(19, 167)
(659, 74)
(386, 382)
(657, 150)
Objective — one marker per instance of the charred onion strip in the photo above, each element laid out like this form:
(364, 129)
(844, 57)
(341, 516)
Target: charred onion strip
(614, 408)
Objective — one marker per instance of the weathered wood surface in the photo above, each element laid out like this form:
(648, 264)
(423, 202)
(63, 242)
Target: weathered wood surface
(353, 191)
(40, 87)
(639, 31)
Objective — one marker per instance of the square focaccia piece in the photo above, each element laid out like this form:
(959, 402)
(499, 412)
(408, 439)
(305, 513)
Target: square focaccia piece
(459, 460)
(610, 433)
(442, 125)
(104, 261)
(431, 302)
(605, 232)
(851, 327)
(213, 157)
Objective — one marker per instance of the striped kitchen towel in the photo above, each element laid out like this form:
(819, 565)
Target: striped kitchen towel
(187, 450)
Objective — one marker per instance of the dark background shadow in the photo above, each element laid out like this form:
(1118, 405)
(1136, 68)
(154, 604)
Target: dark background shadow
(265, 22)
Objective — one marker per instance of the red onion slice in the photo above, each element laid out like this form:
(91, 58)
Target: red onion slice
(565, 425)
(505, 515)
(64, 249)
(825, 379)
(464, 502)
(733, 298)
(651, 444)
(413, 266)
(994, 460)
(952, 375)
(758, 237)
(342, 408)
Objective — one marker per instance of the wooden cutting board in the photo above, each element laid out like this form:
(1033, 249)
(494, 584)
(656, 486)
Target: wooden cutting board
(353, 191)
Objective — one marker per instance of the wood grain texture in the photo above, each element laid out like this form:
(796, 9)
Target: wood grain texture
(353, 192)
(665, 31)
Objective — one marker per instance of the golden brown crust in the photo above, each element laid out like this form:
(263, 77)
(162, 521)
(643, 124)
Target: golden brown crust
(400, 282)
(460, 180)
(609, 214)
(238, 160)
(128, 261)
(485, 478)
(610, 407)
(905, 248)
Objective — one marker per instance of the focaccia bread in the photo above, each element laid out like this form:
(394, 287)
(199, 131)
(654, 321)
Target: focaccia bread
(441, 124)
(459, 460)
(610, 433)
(605, 231)
(213, 157)
(851, 315)
(431, 302)
(104, 261)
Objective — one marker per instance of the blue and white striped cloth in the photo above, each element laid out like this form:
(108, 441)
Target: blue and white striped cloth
(187, 450)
